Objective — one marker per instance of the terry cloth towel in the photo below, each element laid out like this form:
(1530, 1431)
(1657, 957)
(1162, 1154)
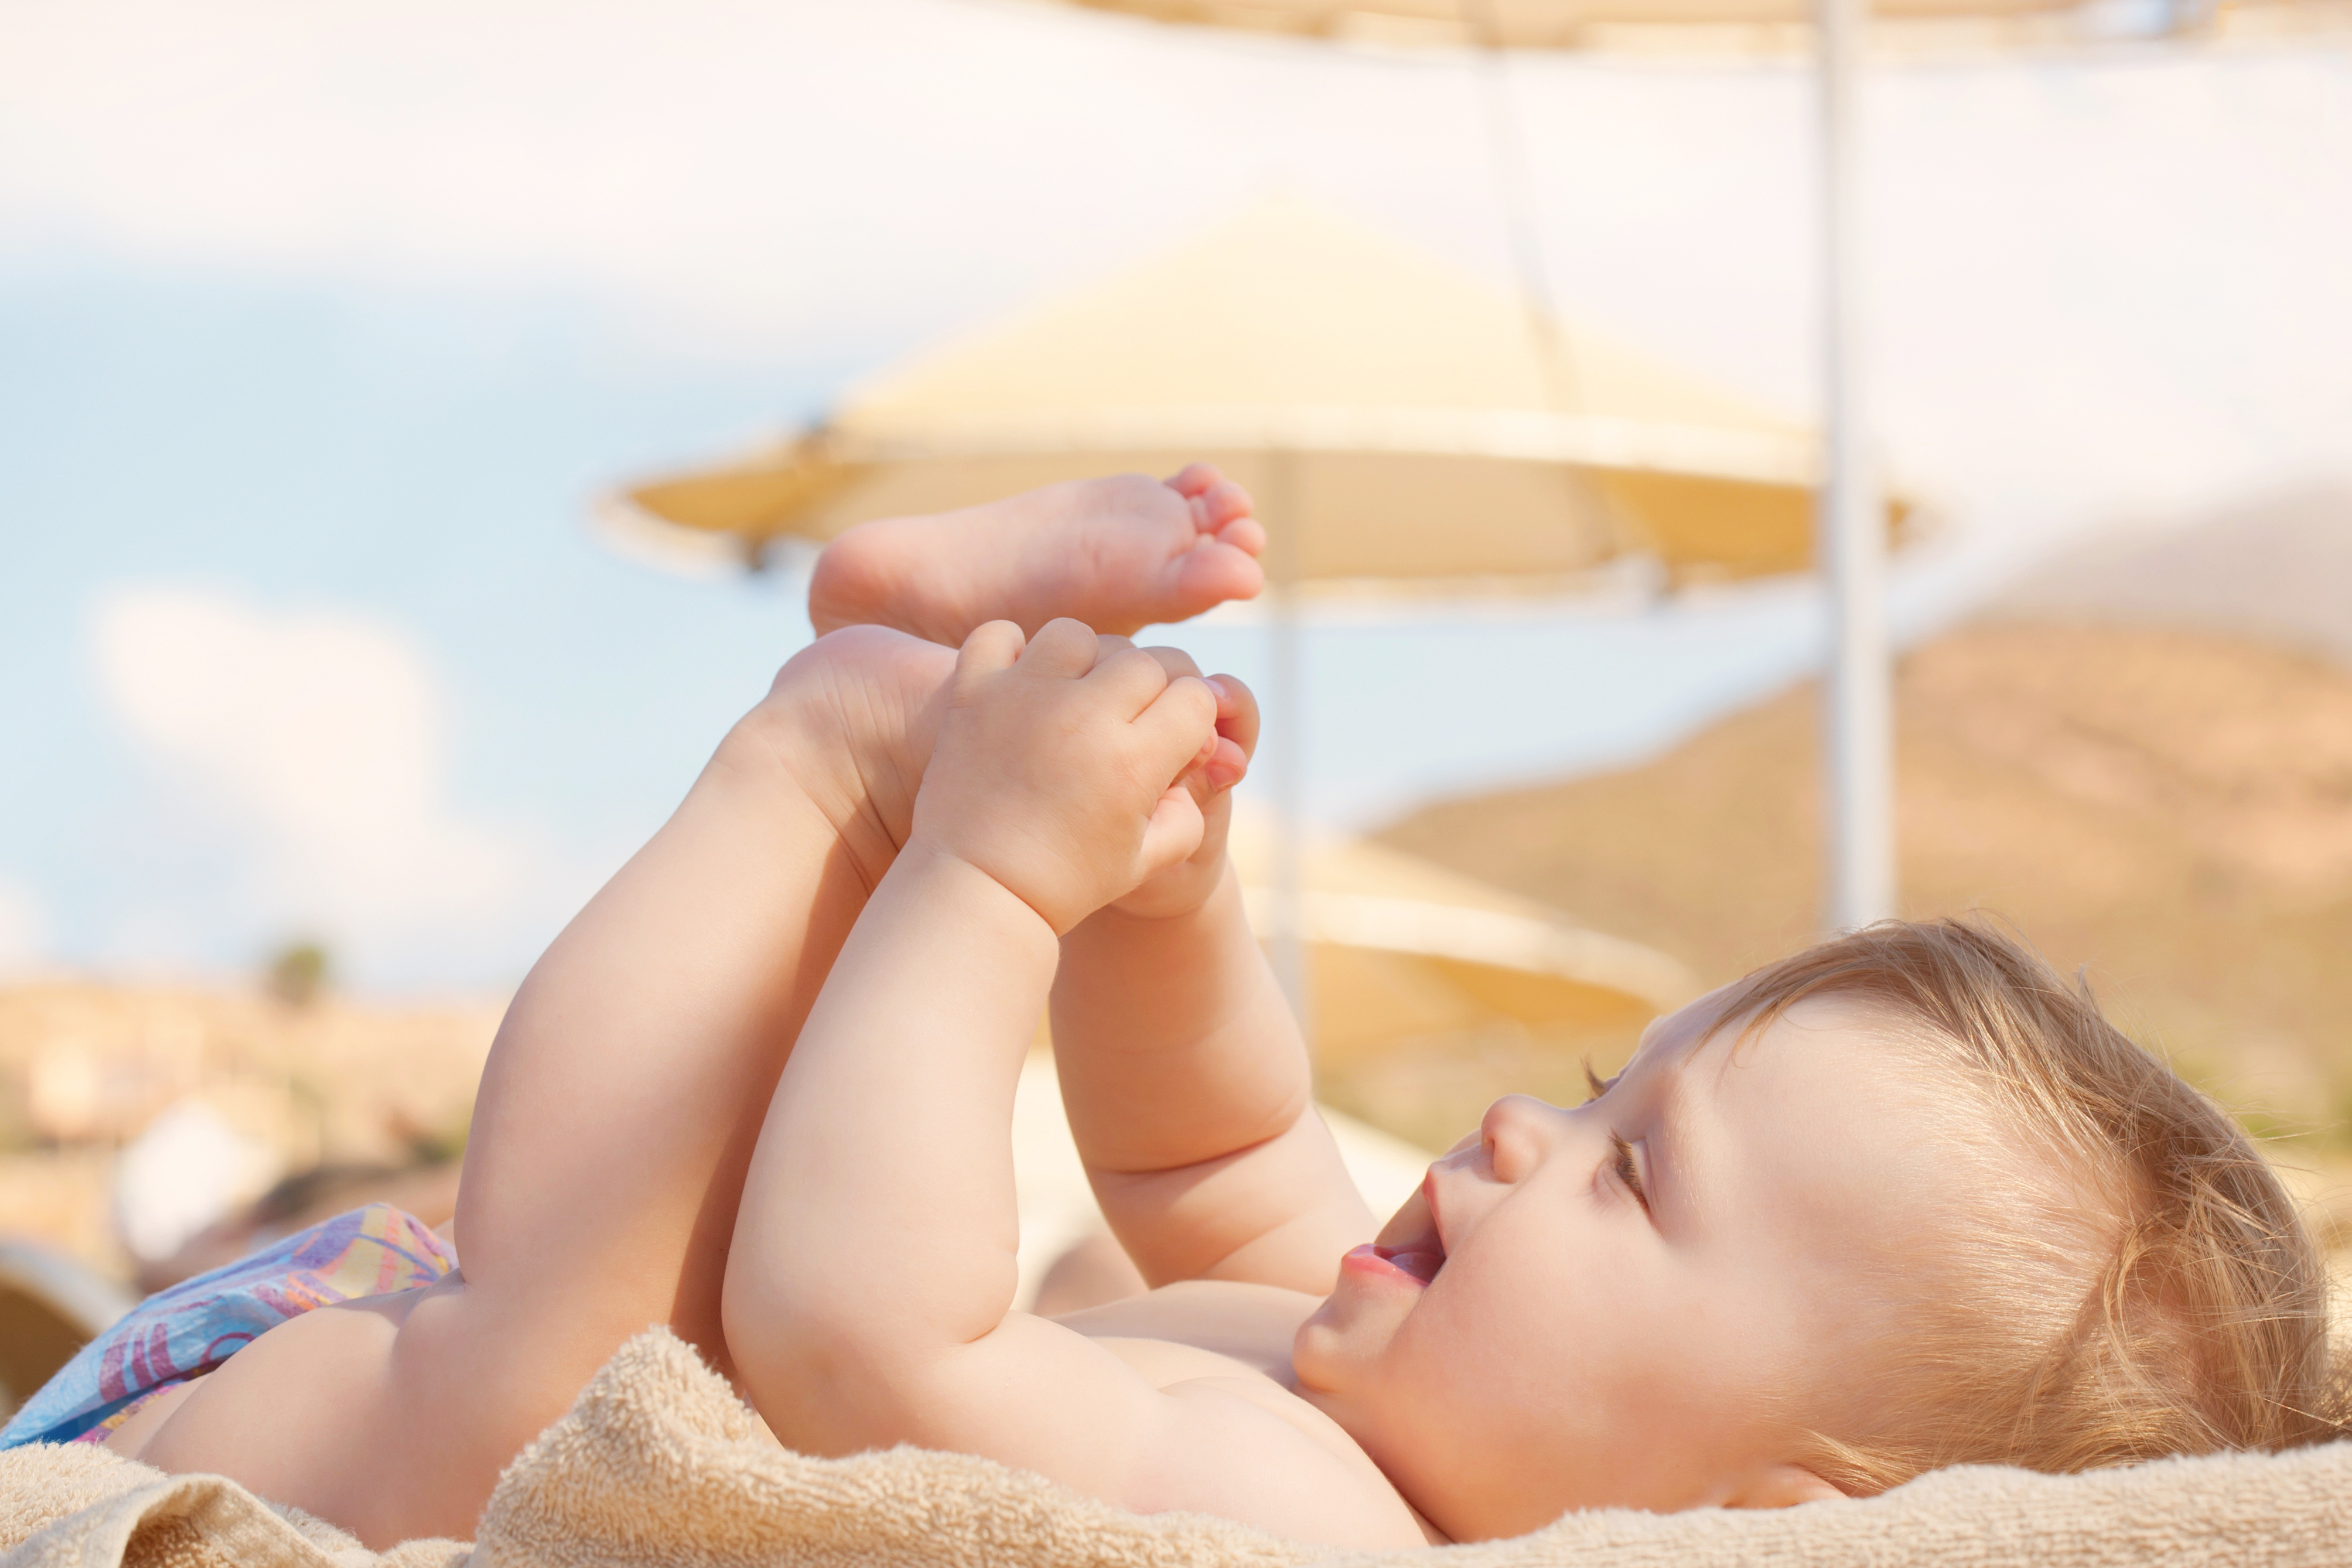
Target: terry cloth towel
(188, 1329)
(658, 1463)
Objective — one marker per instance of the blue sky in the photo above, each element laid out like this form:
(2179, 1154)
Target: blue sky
(321, 326)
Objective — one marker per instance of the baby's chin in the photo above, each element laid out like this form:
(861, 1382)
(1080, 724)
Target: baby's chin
(1341, 1343)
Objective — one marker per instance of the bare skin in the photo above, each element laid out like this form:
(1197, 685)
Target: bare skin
(1647, 1300)
(629, 1079)
(1119, 554)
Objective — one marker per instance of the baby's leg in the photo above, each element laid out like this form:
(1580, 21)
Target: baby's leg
(631, 1073)
(616, 1115)
(1118, 553)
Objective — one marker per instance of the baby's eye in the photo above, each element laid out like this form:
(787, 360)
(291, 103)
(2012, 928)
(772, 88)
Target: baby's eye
(1629, 1171)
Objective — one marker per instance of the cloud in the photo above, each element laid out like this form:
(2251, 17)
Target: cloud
(2108, 277)
(317, 739)
(704, 158)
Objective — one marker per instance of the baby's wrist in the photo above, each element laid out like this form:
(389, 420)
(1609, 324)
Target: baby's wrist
(1183, 898)
(927, 857)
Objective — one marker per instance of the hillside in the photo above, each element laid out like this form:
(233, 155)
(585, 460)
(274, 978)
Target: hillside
(2171, 807)
(2277, 570)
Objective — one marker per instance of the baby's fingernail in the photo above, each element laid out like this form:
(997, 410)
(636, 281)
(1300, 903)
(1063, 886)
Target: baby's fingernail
(1218, 686)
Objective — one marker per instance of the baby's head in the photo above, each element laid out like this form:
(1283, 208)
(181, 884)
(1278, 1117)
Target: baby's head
(1903, 1200)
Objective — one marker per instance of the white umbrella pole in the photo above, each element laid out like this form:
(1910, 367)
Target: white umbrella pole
(1850, 522)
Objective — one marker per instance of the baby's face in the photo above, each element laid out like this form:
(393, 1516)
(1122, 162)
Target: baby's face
(1642, 1301)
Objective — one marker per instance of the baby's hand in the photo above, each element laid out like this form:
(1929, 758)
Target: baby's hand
(1057, 765)
(1185, 886)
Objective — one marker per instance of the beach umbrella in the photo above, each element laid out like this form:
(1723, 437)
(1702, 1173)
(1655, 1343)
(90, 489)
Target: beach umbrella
(1400, 421)
(1394, 413)
(1858, 731)
(1398, 949)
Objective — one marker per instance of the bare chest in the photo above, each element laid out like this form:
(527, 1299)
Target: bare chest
(1219, 1341)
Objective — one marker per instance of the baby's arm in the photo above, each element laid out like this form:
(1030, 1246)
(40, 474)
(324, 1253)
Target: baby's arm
(1187, 1083)
(869, 1288)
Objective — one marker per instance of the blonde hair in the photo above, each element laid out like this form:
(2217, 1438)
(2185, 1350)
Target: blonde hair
(2138, 1284)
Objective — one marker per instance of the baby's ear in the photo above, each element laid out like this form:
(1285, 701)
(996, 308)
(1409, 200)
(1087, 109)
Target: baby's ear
(1780, 1486)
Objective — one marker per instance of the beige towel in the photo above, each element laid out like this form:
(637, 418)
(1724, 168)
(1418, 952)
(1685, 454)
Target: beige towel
(659, 1464)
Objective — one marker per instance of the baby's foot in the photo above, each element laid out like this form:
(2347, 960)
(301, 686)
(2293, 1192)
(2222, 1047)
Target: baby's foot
(1118, 553)
(851, 719)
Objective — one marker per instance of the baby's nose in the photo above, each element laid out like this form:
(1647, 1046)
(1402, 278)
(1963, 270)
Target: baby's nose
(1516, 1132)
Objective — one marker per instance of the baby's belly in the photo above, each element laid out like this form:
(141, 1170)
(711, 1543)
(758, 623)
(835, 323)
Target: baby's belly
(1202, 1328)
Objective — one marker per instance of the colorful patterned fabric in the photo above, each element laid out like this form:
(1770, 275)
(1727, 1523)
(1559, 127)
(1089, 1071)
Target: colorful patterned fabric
(188, 1329)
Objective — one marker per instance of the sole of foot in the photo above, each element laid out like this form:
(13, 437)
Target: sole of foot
(1119, 553)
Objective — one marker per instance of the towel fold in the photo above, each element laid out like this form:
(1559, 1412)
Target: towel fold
(659, 1463)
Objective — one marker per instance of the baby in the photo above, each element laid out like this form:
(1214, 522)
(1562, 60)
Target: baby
(1902, 1200)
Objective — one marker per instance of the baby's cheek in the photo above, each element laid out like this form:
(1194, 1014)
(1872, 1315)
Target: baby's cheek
(1503, 1331)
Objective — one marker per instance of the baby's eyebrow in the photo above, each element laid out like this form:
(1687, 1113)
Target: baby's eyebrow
(1595, 1083)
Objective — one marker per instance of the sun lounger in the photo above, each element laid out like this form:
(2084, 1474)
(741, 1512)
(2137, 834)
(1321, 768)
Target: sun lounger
(50, 1306)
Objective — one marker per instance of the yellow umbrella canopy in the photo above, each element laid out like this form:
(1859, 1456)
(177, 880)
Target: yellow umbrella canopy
(1398, 418)
(1399, 948)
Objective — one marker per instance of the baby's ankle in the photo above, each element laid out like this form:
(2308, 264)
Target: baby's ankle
(848, 723)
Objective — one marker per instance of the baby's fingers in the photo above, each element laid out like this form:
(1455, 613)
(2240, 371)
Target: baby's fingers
(1179, 728)
(1173, 835)
(1221, 766)
(1062, 647)
(1227, 766)
(993, 646)
(1237, 713)
(1132, 678)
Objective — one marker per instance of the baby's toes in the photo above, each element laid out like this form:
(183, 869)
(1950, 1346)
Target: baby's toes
(1217, 504)
(1211, 572)
(1227, 500)
(1194, 479)
(1245, 534)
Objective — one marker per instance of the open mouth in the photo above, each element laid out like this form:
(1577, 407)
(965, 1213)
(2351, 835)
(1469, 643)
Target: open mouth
(1419, 1255)
(1422, 1260)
